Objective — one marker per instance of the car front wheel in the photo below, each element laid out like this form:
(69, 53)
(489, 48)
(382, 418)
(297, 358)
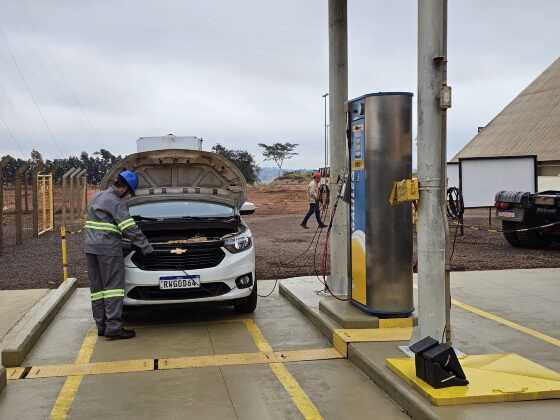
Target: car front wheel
(248, 304)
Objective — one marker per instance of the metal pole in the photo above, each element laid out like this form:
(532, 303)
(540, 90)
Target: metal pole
(338, 95)
(432, 219)
(326, 135)
(64, 253)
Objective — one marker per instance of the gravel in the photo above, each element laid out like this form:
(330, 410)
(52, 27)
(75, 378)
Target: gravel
(279, 239)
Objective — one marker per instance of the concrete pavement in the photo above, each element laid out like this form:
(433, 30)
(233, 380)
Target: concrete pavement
(269, 390)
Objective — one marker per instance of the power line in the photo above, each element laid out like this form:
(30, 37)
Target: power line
(30, 93)
(96, 136)
(41, 66)
(12, 135)
(11, 105)
(97, 38)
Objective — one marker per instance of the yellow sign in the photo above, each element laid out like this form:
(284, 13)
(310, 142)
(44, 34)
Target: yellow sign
(358, 164)
(405, 190)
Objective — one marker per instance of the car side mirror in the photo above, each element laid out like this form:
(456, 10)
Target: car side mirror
(247, 208)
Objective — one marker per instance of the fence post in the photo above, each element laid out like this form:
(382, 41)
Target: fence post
(17, 184)
(67, 174)
(25, 193)
(3, 162)
(52, 172)
(76, 194)
(84, 196)
(34, 188)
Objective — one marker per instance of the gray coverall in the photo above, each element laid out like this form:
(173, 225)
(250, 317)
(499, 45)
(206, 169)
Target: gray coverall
(108, 220)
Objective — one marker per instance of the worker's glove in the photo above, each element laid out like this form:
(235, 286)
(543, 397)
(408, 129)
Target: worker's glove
(148, 250)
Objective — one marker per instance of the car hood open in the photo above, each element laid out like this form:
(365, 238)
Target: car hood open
(182, 174)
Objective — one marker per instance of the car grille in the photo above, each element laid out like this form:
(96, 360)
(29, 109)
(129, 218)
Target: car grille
(154, 293)
(193, 259)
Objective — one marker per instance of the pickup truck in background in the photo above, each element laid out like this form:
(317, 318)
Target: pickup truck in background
(529, 220)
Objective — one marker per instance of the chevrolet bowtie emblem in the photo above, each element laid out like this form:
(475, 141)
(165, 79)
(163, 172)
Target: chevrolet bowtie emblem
(178, 251)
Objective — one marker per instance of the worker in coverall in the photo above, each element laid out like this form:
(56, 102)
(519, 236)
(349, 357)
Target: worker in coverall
(108, 220)
(313, 198)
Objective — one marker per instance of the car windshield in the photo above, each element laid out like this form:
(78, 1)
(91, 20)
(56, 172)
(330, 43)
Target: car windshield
(178, 209)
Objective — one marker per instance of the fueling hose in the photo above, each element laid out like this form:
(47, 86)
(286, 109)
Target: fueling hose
(324, 202)
(455, 203)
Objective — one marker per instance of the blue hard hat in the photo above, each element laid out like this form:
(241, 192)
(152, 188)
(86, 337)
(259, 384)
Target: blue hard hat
(131, 179)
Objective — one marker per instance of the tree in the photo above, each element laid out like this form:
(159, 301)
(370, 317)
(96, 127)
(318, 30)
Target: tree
(244, 161)
(278, 152)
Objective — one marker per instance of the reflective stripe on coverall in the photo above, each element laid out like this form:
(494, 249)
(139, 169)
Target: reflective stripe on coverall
(108, 220)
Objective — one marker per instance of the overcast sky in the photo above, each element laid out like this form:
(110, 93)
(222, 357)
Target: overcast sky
(103, 73)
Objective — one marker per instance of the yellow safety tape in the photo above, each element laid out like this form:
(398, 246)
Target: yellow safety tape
(213, 361)
(143, 365)
(70, 387)
(515, 326)
(298, 395)
(471, 227)
(342, 337)
(98, 368)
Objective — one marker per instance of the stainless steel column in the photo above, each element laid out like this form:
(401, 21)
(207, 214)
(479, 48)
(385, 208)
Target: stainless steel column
(388, 158)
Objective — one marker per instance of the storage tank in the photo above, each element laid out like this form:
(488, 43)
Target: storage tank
(147, 144)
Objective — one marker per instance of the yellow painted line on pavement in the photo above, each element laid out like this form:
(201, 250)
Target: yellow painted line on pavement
(297, 394)
(257, 336)
(503, 321)
(70, 387)
(511, 324)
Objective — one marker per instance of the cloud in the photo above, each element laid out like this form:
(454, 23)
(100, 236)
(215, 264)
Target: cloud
(244, 71)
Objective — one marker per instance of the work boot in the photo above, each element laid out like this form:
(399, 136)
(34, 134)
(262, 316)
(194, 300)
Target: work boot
(120, 335)
(303, 225)
(100, 333)
(322, 226)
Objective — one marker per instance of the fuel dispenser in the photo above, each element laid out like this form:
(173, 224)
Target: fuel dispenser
(380, 146)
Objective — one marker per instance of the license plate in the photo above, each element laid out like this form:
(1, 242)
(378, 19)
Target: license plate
(179, 282)
(508, 214)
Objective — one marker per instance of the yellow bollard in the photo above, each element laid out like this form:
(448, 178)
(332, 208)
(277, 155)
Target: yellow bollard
(64, 253)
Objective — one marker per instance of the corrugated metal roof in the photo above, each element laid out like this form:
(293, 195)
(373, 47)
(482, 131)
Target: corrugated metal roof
(529, 125)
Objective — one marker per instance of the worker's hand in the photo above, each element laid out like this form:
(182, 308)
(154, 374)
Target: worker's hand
(148, 250)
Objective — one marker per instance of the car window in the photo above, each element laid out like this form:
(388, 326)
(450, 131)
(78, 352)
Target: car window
(171, 209)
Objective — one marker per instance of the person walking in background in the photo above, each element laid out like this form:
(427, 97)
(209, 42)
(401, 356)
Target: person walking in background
(313, 198)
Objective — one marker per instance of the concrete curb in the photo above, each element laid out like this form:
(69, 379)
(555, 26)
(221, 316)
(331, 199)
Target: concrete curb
(24, 340)
(401, 393)
(414, 406)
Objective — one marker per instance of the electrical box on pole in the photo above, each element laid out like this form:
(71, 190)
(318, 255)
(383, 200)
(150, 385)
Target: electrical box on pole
(380, 145)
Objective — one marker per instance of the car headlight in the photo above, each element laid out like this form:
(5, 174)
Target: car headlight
(238, 244)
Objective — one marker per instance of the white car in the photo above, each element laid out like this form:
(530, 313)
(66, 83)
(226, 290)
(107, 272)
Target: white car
(189, 204)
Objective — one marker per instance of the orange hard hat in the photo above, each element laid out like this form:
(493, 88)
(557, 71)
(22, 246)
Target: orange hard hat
(317, 175)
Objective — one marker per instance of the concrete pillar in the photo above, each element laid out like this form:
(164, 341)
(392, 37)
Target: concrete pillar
(431, 135)
(338, 94)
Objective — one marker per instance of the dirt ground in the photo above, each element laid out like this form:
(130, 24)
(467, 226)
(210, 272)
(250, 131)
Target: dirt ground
(279, 242)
